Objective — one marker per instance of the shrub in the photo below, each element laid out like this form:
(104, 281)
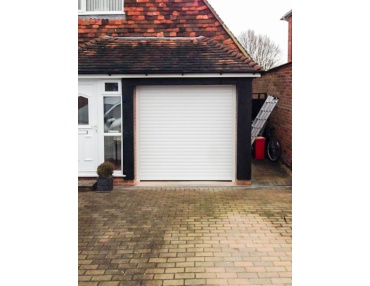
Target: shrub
(105, 169)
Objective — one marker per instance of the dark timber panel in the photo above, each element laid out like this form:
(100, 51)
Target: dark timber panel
(244, 111)
(128, 149)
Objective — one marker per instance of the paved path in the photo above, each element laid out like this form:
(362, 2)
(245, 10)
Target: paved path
(185, 236)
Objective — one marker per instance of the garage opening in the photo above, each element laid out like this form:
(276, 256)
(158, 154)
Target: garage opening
(186, 133)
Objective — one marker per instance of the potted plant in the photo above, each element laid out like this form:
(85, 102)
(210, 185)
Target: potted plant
(105, 179)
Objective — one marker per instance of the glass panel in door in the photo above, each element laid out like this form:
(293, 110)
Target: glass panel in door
(83, 110)
(112, 151)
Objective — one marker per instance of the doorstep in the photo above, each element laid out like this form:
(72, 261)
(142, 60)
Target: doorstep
(86, 184)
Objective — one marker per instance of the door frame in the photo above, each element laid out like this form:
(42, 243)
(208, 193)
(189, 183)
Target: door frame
(97, 98)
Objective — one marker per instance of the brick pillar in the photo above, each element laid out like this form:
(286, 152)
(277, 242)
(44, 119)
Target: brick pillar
(290, 39)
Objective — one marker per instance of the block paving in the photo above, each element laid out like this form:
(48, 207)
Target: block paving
(185, 236)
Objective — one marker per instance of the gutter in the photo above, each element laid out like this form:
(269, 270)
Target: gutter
(199, 75)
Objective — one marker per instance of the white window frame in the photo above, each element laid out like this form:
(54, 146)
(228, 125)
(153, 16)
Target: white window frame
(102, 134)
(83, 11)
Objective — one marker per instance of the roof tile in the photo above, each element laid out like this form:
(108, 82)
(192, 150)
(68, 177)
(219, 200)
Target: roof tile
(140, 55)
(159, 18)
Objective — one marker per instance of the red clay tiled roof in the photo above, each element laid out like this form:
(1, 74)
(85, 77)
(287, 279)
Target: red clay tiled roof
(161, 18)
(153, 55)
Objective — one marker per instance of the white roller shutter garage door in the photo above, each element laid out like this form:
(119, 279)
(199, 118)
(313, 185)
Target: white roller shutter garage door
(185, 133)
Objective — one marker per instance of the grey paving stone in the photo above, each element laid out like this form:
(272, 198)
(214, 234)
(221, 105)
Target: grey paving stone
(185, 236)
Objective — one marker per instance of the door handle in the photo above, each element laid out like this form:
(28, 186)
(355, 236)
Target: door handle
(83, 132)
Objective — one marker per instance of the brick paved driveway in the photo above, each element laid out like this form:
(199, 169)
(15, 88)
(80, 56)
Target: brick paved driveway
(185, 236)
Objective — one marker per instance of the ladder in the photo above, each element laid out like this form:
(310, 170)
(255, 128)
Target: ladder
(259, 122)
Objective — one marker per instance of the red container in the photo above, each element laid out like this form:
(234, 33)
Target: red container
(259, 148)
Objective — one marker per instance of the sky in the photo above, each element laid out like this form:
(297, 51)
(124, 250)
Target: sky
(262, 16)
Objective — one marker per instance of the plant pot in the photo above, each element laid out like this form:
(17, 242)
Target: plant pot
(104, 184)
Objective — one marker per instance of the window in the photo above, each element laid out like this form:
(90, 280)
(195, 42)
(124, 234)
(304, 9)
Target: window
(83, 111)
(112, 114)
(100, 6)
(111, 86)
(112, 130)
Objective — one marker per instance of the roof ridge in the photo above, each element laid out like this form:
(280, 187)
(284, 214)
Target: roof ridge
(156, 38)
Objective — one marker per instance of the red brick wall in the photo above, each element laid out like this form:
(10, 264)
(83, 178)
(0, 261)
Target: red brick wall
(278, 82)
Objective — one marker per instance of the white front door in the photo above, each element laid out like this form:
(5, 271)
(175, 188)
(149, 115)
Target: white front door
(87, 129)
